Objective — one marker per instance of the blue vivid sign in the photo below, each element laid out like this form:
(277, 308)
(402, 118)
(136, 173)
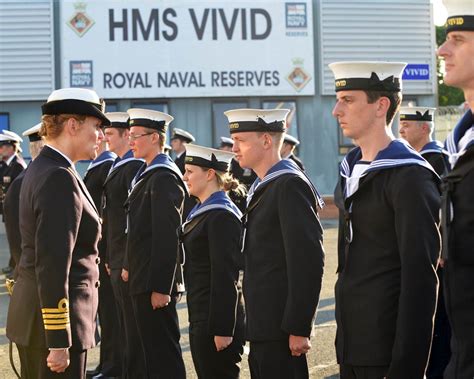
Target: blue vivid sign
(416, 72)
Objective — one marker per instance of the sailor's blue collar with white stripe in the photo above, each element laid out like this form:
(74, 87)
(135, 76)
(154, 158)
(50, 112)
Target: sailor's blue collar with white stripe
(461, 128)
(398, 153)
(283, 167)
(218, 200)
(160, 161)
(106, 156)
(128, 157)
(433, 147)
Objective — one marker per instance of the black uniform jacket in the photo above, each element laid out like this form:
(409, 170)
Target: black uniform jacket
(297, 161)
(284, 257)
(154, 209)
(11, 214)
(387, 285)
(244, 176)
(180, 162)
(436, 156)
(9, 174)
(212, 249)
(54, 301)
(116, 188)
(94, 180)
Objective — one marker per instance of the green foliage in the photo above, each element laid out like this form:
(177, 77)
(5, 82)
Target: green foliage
(446, 95)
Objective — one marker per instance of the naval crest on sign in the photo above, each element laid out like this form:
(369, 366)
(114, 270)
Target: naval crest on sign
(298, 77)
(80, 22)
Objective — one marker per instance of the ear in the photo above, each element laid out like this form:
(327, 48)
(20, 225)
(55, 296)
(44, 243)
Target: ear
(383, 104)
(71, 126)
(267, 141)
(211, 174)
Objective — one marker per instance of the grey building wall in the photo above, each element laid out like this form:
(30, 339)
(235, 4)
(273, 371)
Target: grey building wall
(318, 130)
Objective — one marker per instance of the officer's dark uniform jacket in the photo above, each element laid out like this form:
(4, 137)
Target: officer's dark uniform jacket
(154, 209)
(244, 176)
(54, 301)
(388, 249)
(296, 160)
(9, 174)
(115, 194)
(458, 251)
(211, 238)
(180, 162)
(436, 156)
(11, 214)
(284, 255)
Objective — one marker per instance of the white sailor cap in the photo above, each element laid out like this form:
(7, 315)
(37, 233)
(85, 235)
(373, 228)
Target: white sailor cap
(79, 101)
(33, 133)
(167, 147)
(257, 120)
(226, 141)
(12, 135)
(368, 76)
(291, 140)
(182, 135)
(207, 157)
(149, 118)
(417, 114)
(460, 15)
(118, 120)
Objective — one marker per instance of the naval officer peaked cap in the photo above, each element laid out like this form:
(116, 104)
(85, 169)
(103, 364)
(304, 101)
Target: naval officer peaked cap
(149, 118)
(182, 135)
(8, 135)
(257, 120)
(118, 120)
(226, 141)
(291, 140)
(417, 114)
(368, 76)
(207, 157)
(80, 101)
(33, 133)
(460, 15)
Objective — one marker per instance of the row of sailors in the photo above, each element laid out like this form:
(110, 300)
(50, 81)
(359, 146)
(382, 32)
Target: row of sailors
(389, 247)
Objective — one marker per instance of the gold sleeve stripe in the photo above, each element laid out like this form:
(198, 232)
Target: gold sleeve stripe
(63, 307)
(50, 316)
(61, 321)
(56, 327)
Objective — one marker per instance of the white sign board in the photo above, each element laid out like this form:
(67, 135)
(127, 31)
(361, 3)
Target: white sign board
(153, 49)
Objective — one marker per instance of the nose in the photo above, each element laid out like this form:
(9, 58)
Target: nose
(235, 147)
(101, 135)
(443, 50)
(336, 111)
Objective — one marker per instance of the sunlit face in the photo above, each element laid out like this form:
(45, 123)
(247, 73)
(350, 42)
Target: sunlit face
(412, 132)
(88, 138)
(141, 142)
(354, 113)
(115, 141)
(458, 54)
(248, 148)
(196, 178)
(177, 145)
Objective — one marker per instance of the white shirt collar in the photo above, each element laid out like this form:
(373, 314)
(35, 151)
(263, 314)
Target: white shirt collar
(9, 160)
(179, 154)
(64, 155)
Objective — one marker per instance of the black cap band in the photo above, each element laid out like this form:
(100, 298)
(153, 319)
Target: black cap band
(182, 138)
(11, 143)
(147, 123)
(202, 162)
(460, 23)
(417, 117)
(390, 84)
(74, 106)
(118, 125)
(257, 126)
(34, 137)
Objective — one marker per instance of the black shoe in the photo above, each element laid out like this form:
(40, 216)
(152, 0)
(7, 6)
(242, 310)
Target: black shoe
(102, 376)
(91, 373)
